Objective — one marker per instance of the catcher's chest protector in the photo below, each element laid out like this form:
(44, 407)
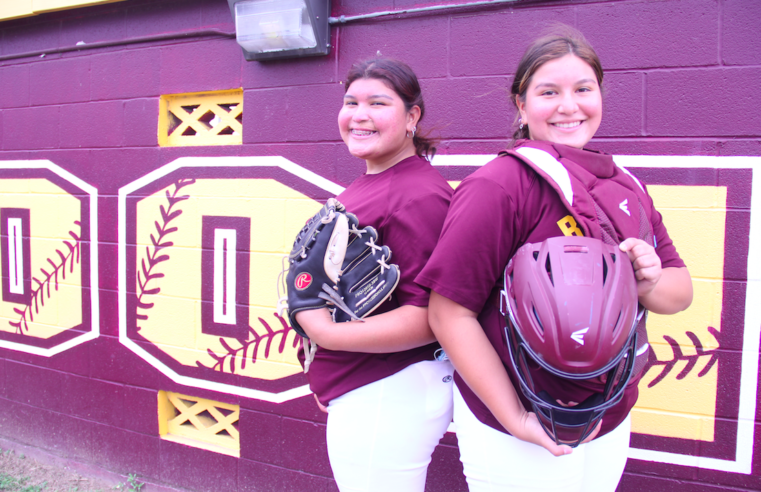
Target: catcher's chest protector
(610, 209)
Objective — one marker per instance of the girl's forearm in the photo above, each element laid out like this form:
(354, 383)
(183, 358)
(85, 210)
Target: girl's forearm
(403, 328)
(672, 293)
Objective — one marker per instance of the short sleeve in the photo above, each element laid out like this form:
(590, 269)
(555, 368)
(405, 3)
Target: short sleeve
(478, 236)
(412, 232)
(664, 246)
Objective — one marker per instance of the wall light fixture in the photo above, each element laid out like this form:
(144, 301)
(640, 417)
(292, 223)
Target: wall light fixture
(272, 29)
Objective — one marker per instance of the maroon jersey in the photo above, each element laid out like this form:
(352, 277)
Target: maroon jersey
(506, 204)
(406, 204)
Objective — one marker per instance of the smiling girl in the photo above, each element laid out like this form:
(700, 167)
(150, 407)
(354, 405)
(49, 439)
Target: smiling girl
(389, 401)
(547, 185)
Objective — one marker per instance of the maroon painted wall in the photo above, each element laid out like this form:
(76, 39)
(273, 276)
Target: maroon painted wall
(681, 76)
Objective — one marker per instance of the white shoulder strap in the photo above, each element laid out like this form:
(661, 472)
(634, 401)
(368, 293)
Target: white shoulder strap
(551, 167)
(630, 174)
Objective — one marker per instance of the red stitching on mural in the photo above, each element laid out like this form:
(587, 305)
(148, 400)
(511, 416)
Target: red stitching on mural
(692, 360)
(253, 344)
(163, 230)
(42, 291)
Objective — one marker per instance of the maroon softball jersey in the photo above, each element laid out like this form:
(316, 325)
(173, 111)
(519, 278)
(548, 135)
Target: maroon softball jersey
(406, 204)
(506, 204)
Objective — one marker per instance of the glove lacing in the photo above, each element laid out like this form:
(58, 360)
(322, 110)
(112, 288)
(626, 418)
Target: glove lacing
(374, 247)
(310, 348)
(282, 300)
(384, 266)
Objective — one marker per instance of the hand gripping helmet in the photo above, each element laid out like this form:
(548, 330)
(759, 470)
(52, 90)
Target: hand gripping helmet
(572, 311)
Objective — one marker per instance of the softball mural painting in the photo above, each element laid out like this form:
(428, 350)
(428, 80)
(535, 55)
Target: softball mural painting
(138, 325)
(219, 329)
(48, 263)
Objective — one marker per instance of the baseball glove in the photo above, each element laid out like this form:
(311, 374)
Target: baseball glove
(314, 263)
(335, 264)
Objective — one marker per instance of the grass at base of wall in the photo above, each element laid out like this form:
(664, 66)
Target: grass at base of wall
(19, 473)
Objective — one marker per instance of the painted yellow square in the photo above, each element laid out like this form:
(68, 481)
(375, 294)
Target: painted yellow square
(693, 427)
(695, 217)
(171, 321)
(11, 187)
(297, 212)
(13, 9)
(40, 6)
(267, 224)
(269, 188)
(264, 271)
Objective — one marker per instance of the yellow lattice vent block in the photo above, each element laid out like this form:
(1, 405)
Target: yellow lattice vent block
(201, 118)
(200, 423)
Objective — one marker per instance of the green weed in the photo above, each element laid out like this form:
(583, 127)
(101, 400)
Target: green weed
(132, 485)
(10, 483)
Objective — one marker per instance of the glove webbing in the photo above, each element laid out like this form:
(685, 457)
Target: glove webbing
(325, 220)
(282, 302)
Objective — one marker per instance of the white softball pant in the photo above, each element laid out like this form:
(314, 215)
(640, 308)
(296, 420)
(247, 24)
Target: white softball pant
(381, 436)
(494, 461)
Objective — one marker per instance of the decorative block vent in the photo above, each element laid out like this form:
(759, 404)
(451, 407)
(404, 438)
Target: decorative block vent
(202, 118)
(200, 423)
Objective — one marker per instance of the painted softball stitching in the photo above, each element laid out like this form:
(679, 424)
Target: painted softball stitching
(42, 291)
(152, 254)
(252, 343)
(692, 360)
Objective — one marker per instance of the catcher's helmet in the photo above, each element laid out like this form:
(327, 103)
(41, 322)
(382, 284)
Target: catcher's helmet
(572, 311)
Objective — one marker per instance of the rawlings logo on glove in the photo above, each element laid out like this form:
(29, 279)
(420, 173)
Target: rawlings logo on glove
(335, 264)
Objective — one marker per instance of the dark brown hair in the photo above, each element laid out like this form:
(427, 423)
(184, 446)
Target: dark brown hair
(560, 41)
(399, 77)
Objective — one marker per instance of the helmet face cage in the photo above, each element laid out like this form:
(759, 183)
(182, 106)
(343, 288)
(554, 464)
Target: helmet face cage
(570, 425)
(553, 289)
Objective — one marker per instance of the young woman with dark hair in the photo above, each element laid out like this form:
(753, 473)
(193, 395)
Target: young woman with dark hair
(546, 185)
(389, 401)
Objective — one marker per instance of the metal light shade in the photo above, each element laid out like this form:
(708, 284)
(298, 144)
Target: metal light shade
(271, 29)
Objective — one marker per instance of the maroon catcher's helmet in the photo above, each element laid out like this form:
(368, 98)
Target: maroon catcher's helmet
(572, 311)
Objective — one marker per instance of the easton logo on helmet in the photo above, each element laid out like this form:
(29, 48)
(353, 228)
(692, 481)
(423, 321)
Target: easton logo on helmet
(578, 336)
(302, 281)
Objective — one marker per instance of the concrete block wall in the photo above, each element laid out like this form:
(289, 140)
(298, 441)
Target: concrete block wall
(680, 77)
